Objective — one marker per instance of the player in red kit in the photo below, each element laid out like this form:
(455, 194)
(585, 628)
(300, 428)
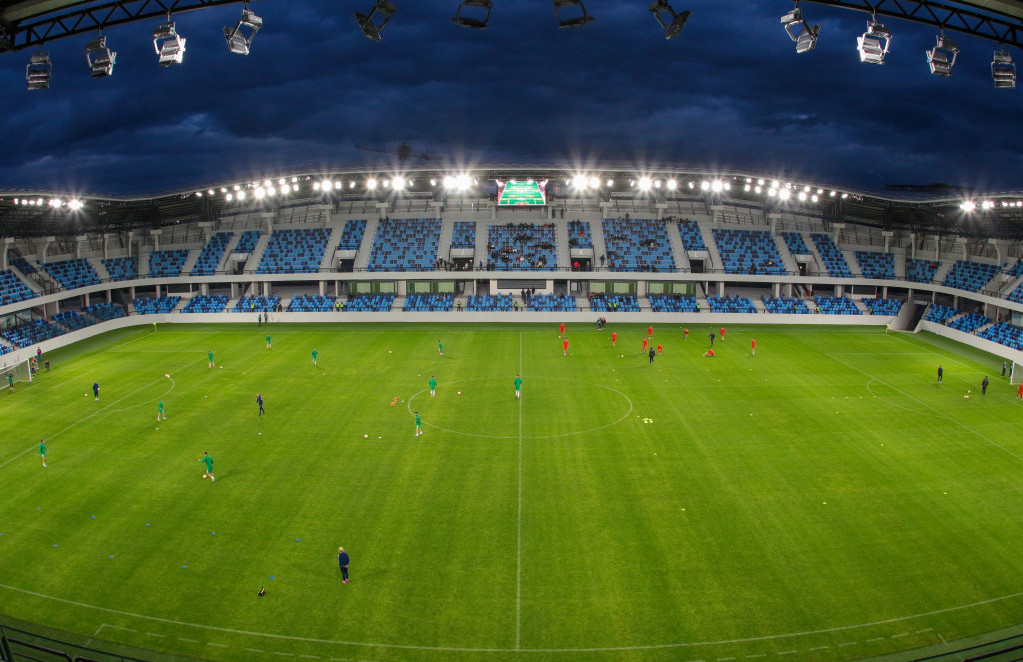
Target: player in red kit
(645, 341)
(650, 330)
(1019, 393)
(660, 349)
(754, 343)
(564, 347)
(561, 330)
(685, 334)
(722, 334)
(614, 338)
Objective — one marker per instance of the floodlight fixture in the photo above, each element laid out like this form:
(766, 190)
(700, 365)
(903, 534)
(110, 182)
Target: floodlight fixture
(1003, 70)
(873, 44)
(799, 31)
(239, 39)
(968, 205)
(942, 57)
(100, 58)
(573, 20)
(580, 182)
(38, 71)
(169, 45)
(372, 30)
(477, 15)
(672, 27)
(75, 204)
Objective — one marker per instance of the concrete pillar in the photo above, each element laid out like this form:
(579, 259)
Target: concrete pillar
(661, 209)
(110, 296)
(78, 246)
(323, 288)
(131, 235)
(403, 288)
(85, 300)
(963, 248)
(937, 247)
(204, 289)
(884, 292)
(7, 246)
(156, 238)
(887, 234)
(641, 288)
(788, 290)
(773, 218)
(721, 288)
(268, 218)
(44, 245)
(158, 290)
(777, 290)
(207, 229)
(839, 290)
(912, 245)
(266, 289)
(131, 291)
(837, 231)
(716, 213)
(1001, 250)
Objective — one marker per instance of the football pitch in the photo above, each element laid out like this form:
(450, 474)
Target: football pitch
(823, 499)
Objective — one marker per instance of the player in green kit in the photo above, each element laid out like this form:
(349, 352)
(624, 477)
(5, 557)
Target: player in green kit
(518, 386)
(42, 450)
(10, 381)
(268, 342)
(209, 355)
(433, 386)
(440, 348)
(209, 465)
(419, 424)
(314, 357)
(159, 411)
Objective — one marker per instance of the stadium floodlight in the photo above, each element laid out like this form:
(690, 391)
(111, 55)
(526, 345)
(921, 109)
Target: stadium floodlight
(239, 38)
(799, 31)
(942, 57)
(673, 27)
(968, 205)
(873, 44)
(38, 71)
(476, 17)
(572, 21)
(100, 58)
(372, 30)
(1003, 70)
(169, 45)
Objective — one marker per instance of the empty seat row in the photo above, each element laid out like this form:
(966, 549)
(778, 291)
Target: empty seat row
(674, 303)
(165, 264)
(351, 236)
(876, 265)
(692, 238)
(614, 303)
(405, 244)
(489, 302)
(731, 304)
(202, 303)
(637, 244)
(419, 303)
(748, 251)
(121, 268)
(256, 304)
(12, 289)
(836, 306)
(969, 276)
(294, 251)
(834, 261)
(463, 235)
(879, 306)
(785, 305)
(73, 273)
(155, 305)
(522, 247)
(551, 303)
(211, 255)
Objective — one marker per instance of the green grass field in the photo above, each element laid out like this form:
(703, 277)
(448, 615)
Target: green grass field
(822, 500)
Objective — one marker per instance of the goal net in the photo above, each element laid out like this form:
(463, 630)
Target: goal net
(1015, 373)
(23, 373)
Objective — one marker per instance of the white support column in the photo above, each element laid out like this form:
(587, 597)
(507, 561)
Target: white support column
(131, 235)
(323, 288)
(156, 238)
(78, 246)
(937, 248)
(963, 247)
(777, 290)
(887, 234)
(207, 230)
(7, 246)
(44, 245)
(912, 245)
(1000, 250)
(721, 288)
(661, 209)
(837, 232)
(773, 217)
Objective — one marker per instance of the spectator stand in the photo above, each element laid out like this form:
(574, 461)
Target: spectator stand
(731, 304)
(969, 276)
(921, 271)
(104, 311)
(121, 268)
(72, 320)
(257, 304)
(72, 274)
(831, 256)
(294, 251)
(368, 303)
(880, 266)
(637, 245)
(522, 247)
(614, 303)
(968, 323)
(421, 303)
(748, 252)
(551, 303)
(1004, 333)
(211, 255)
(202, 303)
(879, 306)
(673, 303)
(155, 305)
(490, 303)
(312, 303)
(836, 306)
(166, 264)
(939, 313)
(13, 289)
(405, 244)
(784, 305)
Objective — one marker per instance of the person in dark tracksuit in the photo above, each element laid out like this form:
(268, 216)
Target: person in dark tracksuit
(941, 373)
(983, 385)
(342, 560)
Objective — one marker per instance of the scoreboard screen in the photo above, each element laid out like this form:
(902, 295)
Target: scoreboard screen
(515, 193)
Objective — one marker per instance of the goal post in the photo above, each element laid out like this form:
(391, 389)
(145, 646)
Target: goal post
(1015, 373)
(22, 372)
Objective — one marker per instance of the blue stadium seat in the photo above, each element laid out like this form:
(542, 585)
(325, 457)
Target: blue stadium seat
(522, 247)
(748, 252)
(637, 245)
(834, 261)
(122, 268)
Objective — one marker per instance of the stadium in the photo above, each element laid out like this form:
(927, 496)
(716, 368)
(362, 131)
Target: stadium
(549, 411)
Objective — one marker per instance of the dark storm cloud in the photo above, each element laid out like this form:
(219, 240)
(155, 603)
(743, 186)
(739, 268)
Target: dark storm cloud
(730, 92)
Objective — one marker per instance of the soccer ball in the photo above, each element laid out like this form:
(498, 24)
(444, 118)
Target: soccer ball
(967, 397)
(167, 376)
(459, 393)
(365, 436)
(221, 367)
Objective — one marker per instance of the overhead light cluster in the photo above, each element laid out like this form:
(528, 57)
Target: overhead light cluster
(942, 57)
(258, 190)
(73, 204)
(168, 44)
(459, 183)
(801, 32)
(987, 205)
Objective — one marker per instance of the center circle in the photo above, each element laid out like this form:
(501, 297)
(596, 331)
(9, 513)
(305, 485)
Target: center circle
(456, 403)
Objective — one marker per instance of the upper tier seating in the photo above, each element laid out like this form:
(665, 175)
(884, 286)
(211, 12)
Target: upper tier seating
(32, 333)
(206, 304)
(785, 305)
(294, 251)
(419, 303)
(579, 235)
(1015, 271)
(247, 242)
(155, 305)
(614, 303)
(523, 247)
(876, 265)
(637, 244)
(165, 264)
(551, 303)
(256, 304)
(692, 238)
(73, 273)
(311, 303)
(731, 304)
(12, 289)
(489, 302)
(673, 303)
(834, 261)
(795, 243)
(351, 236)
(1004, 334)
(969, 322)
(836, 306)
(938, 313)
(405, 244)
(969, 276)
(921, 271)
(212, 253)
(370, 303)
(72, 320)
(464, 235)
(748, 252)
(1017, 294)
(879, 306)
(122, 268)
(104, 310)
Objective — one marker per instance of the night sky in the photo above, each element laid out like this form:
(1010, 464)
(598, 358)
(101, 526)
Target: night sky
(729, 93)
